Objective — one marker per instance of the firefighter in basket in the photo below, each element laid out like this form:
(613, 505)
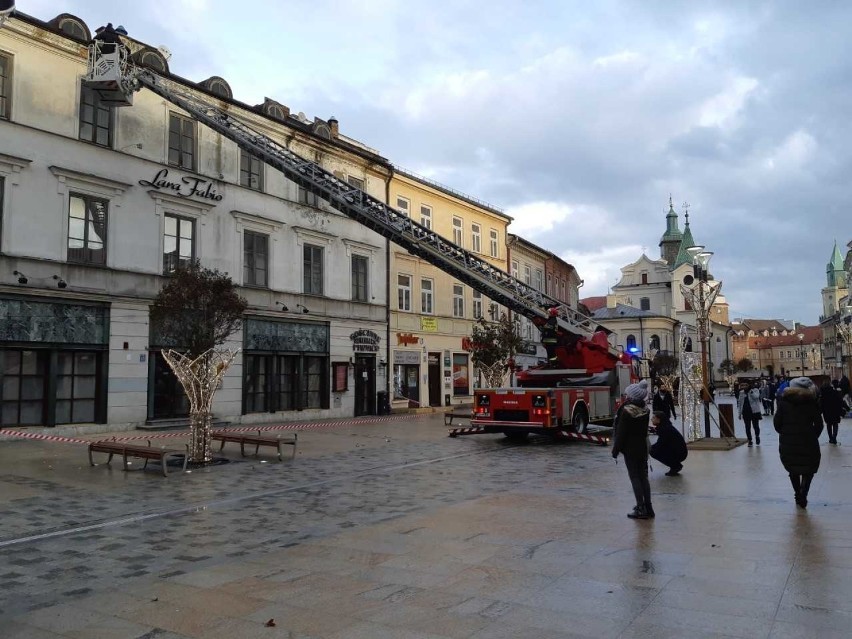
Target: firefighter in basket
(549, 337)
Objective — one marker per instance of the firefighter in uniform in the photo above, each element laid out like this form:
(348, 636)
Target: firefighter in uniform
(549, 337)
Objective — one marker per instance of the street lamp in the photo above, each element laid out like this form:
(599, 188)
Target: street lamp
(802, 351)
(701, 296)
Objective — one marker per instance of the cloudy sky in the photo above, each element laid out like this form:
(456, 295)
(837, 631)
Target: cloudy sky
(578, 120)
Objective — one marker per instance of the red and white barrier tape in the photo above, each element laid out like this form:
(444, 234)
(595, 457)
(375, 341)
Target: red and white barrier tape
(474, 430)
(598, 439)
(45, 438)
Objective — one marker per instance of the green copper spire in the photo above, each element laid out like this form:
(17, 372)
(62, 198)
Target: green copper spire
(672, 231)
(685, 242)
(834, 270)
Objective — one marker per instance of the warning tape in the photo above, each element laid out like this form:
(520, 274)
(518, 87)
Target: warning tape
(597, 439)
(473, 430)
(246, 429)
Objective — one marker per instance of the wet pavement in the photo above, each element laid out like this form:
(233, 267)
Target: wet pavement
(394, 530)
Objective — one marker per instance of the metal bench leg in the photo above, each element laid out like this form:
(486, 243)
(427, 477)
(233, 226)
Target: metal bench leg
(125, 460)
(280, 458)
(109, 459)
(91, 462)
(186, 457)
(243, 449)
(257, 448)
(295, 441)
(164, 465)
(222, 446)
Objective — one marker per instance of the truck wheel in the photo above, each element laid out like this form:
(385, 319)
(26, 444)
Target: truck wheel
(516, 436)
(580, 421)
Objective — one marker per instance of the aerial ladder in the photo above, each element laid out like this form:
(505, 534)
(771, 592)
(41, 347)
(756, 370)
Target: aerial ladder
(113, 75)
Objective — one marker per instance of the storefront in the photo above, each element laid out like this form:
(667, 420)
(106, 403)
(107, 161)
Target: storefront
(406, 377)
(365, 347)
(53, 362)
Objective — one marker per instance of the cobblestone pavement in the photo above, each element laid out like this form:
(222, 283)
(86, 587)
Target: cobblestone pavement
(395, 530)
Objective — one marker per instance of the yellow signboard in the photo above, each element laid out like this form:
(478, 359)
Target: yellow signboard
(429, 324)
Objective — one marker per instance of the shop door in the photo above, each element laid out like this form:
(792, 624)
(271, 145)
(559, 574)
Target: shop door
(23, 393)
(365, 385)
(434, 379)
(169, 399)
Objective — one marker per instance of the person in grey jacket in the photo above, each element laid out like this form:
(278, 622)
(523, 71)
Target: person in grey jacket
(750, 409)
(631, 440)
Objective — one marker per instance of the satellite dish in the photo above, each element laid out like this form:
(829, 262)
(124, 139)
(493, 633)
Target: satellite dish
(165, 52)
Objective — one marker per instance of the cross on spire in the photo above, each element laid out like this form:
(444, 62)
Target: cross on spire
(686, 212)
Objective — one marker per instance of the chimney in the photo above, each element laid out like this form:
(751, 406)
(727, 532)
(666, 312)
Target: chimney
(335, 128)
(610, 301)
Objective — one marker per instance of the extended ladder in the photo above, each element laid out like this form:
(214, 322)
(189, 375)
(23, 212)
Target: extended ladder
(354, 203)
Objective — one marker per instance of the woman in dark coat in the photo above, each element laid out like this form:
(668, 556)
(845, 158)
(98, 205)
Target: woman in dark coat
(832, 410)
(799, 424)
(631, 440)
(670, 448)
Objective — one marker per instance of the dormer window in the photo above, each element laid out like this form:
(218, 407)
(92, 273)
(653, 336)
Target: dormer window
(218, 86)
(73, 28)
(153, 60)
(277, 111)
(323, 131)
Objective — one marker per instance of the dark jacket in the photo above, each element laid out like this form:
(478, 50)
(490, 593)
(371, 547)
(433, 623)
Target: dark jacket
(799, 424)
(831, 404)
(631, 431)
(664, 403)
(670, 448)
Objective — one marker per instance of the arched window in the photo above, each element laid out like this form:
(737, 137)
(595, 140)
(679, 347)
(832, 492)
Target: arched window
(73, 28)
(323, 131)
(655, 342)
(154, 60)
(218, 86)
(645, 303)
(688, 347)
(277, 111)
(630, 343)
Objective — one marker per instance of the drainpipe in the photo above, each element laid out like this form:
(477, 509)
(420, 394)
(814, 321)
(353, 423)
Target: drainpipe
(389, 362)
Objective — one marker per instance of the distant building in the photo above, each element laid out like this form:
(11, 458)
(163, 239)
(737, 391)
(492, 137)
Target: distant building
(836, 309)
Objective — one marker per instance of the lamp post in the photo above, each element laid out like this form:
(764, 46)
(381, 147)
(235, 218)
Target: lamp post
(802, 351)
(701, 295)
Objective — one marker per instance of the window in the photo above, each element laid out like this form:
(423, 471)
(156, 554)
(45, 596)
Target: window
(426, 297)
(514, 269)
(537, 282)
(5, 86)
(178, 242)
(76, 387)
(645, 303)
(155, 61)
(95, 118)
(358, 183)
(181, 142)
(403, 287)
(403, 206)
(359, 278)
(276, 382)
(527, 274)
(461, 379)
(255, 259)
(458, 300)
(631, 343)
(477, 305)
(494, 311)
(87, 220)
(495, 247)
(458, 233)
(308, 197)
(789, 355)
(251, 171)
(644, 278)
(2, 194)
(426, 216)
(655, 342)
(476, 238)
(313, 270)
(549, 289)
(74, 29)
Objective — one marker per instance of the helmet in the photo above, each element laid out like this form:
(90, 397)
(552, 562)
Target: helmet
(554, 312)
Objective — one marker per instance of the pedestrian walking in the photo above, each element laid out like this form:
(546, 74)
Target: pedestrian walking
(631, 440)
(750, 406)
(799, 424)
(831, 405)
(664, 402)
(670, 447)
(764, 396)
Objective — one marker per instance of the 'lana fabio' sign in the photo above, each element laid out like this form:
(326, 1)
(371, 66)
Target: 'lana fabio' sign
(186, 187)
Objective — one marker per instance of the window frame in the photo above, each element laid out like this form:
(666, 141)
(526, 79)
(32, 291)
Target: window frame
(403, 292)
(427, 293)
(356, 182)
(476, 237)
(179, 218)
(356, 285)
(250, 270)
(644, 303)
(476, 304)
(458, 300)
(193, 154)
(426, 216)
(248, 164)
(97, 107)
(6, 81)
(308, 276)
(403, 205)
(458, 231)
(528, 275)
(85, 250)
(494, 236)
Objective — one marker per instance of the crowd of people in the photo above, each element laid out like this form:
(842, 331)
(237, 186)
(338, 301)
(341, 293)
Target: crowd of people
(799, 412)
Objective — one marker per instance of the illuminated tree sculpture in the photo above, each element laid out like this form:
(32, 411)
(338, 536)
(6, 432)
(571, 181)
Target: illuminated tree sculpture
(196, 311)
(493, 346)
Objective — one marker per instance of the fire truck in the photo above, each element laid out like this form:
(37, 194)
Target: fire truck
(548, 399)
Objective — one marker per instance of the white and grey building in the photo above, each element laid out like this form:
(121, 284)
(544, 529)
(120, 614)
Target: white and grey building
(99, 204)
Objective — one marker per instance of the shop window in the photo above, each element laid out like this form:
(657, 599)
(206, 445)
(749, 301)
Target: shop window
(5, 86)
(178, 242)
(182, 136)
(360, 277)
(255, 259)
(76, 387)
(24, 375)
(96, 118)
(87, 220)
(313, 270)
(461, 379)
(251, 171)
(285, 382)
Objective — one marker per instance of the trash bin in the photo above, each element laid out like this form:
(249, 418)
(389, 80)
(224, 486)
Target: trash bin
(383, 403)
(726, 420)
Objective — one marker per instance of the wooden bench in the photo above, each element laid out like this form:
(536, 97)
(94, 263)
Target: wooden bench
(112, 447)
(257, 441)
(459, 412)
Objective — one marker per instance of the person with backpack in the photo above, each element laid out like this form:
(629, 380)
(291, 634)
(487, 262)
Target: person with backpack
(750, 409)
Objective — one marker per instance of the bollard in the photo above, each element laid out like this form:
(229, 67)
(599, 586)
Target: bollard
(726, 420)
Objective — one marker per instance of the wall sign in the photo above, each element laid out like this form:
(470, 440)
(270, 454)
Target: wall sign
(429, 324)
(186, 187)
(365, 341)
(406, 358)
(406, 339)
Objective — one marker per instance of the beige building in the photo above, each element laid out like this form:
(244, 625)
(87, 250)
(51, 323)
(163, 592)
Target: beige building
(431, 313)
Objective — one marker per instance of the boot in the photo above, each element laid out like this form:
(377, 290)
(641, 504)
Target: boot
(639, 512)
(649, 511)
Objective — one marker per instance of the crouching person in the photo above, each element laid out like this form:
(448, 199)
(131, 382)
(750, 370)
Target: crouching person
(670, 448)
(631, 440)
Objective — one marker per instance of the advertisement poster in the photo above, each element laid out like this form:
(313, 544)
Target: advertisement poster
(461, 382)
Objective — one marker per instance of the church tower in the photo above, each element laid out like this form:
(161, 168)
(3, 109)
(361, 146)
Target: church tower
(670, 242)
(836, 284)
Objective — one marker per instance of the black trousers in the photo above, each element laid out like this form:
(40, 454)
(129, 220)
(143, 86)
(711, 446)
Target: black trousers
(637, 470)
(753, 421)
(832, 431)
(801, 483)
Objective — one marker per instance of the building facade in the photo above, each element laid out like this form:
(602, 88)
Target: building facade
(432, 314)
(836, 313)
(529, 263)
(100, 204)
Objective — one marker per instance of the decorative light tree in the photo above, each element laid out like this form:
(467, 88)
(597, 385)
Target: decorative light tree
(196, 311)
(493, 346)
